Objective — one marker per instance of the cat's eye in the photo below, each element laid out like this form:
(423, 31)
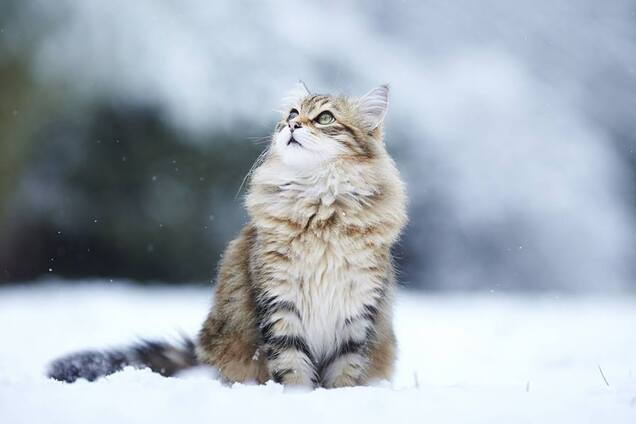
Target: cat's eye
(325, 118)
(292, 114)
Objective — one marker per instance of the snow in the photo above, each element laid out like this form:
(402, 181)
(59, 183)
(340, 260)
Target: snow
(464, 357)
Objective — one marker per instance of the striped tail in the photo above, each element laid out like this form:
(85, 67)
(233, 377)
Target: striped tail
(161, 357)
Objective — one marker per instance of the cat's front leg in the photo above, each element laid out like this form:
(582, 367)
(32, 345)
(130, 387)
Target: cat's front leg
(288, 356)
(349, 363)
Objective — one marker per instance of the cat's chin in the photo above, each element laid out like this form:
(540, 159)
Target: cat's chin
(300, 159)
(296, 156)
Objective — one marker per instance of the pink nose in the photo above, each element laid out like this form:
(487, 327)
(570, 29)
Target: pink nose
(293, 125)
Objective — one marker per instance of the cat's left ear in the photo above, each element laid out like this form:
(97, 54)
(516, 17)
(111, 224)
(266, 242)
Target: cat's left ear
(373, 106)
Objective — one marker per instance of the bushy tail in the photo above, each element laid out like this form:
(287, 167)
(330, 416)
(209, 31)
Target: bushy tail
(161, 357)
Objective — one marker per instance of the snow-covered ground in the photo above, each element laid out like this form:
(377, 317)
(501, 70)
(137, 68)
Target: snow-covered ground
(463, 358)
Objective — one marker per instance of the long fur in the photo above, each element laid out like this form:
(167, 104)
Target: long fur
(304, 294)
(160, 356)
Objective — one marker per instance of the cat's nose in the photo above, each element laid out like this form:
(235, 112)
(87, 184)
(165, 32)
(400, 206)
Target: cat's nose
(293, 125)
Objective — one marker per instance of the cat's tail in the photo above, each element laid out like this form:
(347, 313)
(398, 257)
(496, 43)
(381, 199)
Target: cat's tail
(161, 357)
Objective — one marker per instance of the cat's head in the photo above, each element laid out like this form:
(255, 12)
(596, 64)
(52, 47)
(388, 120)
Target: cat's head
(317, 128)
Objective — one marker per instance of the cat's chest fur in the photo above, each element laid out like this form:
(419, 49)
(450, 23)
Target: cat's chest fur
(326, 287)
(324, 266)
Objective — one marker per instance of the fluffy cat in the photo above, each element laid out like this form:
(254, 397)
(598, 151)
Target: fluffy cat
(304, 293)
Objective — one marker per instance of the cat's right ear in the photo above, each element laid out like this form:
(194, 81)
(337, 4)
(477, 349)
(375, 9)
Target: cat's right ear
(373, 106)
(295, 95)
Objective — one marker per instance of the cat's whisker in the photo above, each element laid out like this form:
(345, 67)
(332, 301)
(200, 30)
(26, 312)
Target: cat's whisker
(261, 139)
(259, 160)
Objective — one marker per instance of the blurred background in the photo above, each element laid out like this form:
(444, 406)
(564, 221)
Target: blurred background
(126, 129)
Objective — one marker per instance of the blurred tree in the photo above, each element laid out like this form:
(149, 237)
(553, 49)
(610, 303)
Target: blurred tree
(115, 192)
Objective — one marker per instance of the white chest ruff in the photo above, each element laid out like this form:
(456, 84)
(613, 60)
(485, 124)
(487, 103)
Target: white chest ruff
(327, 291)
(323, 276)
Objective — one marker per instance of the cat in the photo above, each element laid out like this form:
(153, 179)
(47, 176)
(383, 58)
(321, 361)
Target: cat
(304, 294)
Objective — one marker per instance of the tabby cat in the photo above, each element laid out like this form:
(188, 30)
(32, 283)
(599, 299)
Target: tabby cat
(304, 293)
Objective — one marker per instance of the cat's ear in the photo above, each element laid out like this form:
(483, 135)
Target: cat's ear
(295, 95)
(373, 106)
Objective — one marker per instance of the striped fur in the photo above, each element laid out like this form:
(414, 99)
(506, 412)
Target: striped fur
(161, 357)
(305, 292)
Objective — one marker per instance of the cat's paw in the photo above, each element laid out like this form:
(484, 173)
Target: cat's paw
(293, 378)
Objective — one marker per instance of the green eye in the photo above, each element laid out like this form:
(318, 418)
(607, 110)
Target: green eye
(325, 118)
